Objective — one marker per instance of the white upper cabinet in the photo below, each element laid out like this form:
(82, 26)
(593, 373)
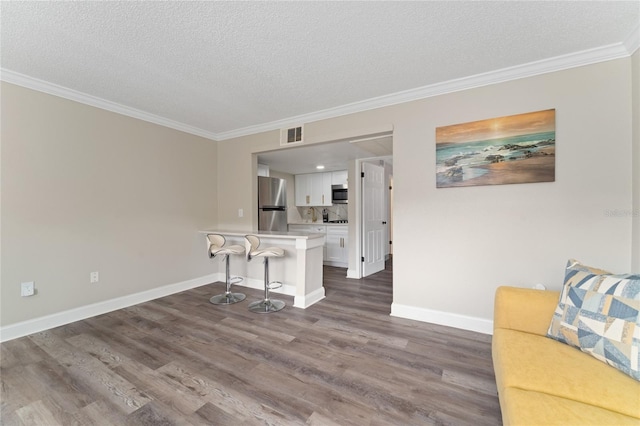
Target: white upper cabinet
(313, 189)
(325, 196)
(339, 177)
(303, 190)
(263, 170)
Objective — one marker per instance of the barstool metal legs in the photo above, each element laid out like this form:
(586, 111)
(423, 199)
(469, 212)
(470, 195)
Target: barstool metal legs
(267, 305)
(228, 297)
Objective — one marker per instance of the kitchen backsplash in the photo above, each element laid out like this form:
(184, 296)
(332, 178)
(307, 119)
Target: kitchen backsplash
(305, 214)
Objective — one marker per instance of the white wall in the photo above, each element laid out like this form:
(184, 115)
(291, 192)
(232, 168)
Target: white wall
(635, 81)
(453, 247)
(473, 239)
(87, 190)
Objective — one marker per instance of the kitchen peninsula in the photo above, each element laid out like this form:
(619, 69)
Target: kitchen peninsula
(300, 271)
(336, 246)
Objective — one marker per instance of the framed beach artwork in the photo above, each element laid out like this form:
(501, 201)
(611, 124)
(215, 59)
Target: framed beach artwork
(512, 149)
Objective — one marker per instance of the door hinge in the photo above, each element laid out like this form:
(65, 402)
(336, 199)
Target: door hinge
(390, 242)
(362, 174)
(362, 259)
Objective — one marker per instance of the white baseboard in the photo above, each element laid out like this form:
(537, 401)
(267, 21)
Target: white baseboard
(289, 290)
(258, 284)
(336, 264)
(305, 301)
(24, 328)
(352, 273)
(464, 322)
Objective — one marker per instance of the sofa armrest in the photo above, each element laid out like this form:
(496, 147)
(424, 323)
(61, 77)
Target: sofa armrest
(524, 309)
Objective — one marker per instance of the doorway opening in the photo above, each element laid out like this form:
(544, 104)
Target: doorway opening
(349, 154)
(375, 216)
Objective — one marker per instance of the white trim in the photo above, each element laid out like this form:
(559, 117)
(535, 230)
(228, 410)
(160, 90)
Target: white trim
(47, 322)
(305, 301)
(335, 264)
(449, 319)
(353, 274)
(632, 43)
(355, 270)
(74, 95)
(258, 284)
(558, 63)
(24, 328)
(302, 302)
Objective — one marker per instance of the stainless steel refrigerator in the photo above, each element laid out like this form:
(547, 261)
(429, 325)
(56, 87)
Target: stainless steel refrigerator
(272, 204)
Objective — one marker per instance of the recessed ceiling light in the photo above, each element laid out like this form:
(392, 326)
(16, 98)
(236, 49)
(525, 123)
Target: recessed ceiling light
(320, 167)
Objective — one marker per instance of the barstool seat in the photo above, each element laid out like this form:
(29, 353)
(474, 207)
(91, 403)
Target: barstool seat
(217, 248)
(267, 305)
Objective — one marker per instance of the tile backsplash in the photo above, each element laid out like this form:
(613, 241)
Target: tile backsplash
(305, 214)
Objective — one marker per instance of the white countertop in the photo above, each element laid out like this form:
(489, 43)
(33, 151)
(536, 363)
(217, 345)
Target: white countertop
(265, 234)
(318, 223)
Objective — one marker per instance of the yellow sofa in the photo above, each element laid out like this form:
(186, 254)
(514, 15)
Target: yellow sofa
(544, 382)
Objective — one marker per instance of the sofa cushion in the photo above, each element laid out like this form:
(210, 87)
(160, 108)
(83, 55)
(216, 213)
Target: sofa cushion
(598, 313)
(524, 309)
(535, 363)
(523, 407)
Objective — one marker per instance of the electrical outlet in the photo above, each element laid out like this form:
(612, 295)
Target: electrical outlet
(240, 213)
(93, 277)
(27, 289)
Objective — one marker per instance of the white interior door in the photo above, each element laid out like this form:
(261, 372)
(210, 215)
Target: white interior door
(373, 219)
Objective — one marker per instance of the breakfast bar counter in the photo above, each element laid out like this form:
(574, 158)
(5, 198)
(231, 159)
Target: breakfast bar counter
(300, 271)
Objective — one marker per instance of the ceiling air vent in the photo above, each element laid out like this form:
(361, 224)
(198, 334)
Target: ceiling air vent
(290, 136)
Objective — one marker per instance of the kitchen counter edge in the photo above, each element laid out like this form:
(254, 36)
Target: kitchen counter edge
(318, 223)
(265, 234)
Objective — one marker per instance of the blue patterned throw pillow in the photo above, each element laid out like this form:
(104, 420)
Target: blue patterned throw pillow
(598, 313)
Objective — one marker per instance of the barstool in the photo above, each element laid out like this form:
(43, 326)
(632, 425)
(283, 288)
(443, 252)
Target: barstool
(217, 247)
(266, 305)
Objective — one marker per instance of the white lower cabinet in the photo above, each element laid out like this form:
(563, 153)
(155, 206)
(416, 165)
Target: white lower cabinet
(337, 246)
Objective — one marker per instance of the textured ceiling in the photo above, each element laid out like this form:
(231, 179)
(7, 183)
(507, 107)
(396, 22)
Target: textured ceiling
(221, 67)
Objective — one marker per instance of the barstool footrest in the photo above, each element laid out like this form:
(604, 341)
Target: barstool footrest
(235, 280)
(274, 284)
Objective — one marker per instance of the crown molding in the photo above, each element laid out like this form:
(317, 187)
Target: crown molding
(632, 43)
(74, 95)
(558, 63)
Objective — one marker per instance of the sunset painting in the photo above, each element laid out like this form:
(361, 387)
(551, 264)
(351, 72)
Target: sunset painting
(512, 149)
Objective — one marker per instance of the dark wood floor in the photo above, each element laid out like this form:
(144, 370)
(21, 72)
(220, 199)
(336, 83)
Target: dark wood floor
(180, 360)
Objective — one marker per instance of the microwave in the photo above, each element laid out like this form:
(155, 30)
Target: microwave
(339, 194)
